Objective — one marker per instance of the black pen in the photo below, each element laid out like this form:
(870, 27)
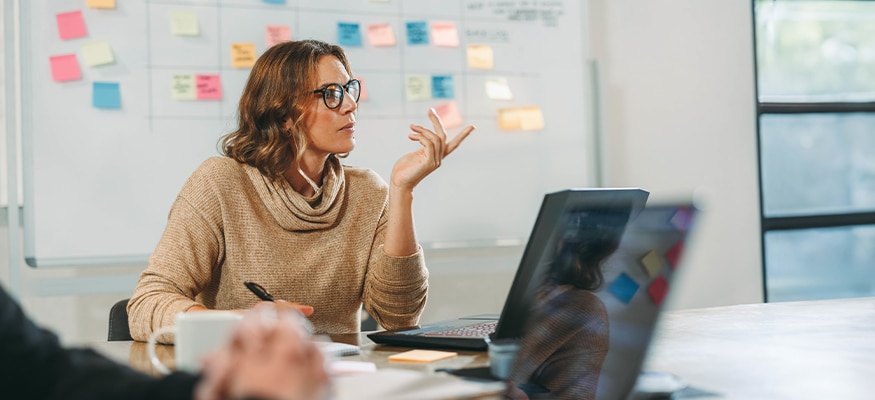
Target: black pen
(259, 291)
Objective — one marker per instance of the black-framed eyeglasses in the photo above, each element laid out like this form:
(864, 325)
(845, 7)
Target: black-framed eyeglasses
(332, 94)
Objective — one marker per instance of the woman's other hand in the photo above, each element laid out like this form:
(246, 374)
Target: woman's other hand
(413, 167)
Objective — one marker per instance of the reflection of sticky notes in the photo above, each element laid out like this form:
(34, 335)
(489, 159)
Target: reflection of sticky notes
(624, 288)
(657, 290)
(100, 3)
(363, 95)
(480, 56)
(97, 53)
(445, 34)
(182, 87)
(209, 87)
(71, 25)
(520, 119)
(418, 87)
(498, 89)
(243, 55)
(442, 87)
(381, 35)
(184, 23)
(348, 34)
(652, 263)
(673, 254)
(277, 34)
(106, 95)
(417, 33)
(449, 114)
(274, 1)
(65, 68)
(682, 218)
(422, 355)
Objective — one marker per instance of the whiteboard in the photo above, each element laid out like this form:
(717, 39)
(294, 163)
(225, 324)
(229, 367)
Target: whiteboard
(99, 182)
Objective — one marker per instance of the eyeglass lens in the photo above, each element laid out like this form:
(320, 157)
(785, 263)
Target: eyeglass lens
(333, 93)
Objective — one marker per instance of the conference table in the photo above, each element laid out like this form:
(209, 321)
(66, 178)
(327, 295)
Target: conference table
(821, 349)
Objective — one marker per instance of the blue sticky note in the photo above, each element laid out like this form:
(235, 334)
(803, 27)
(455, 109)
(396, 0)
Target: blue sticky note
(106, 95)
(442, 87)
(417, 33)
(624, 288)
(348, 34)
(274, 1)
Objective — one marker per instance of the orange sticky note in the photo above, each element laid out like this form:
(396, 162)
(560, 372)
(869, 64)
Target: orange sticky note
(520, 119)
(71, 25)
(65, 68)
(423, 356)
(277, 34)
(480, 56)
(209, 87)
(449, 114)
(444, 34)
(243, 55)
(381, 35)
(100, 3)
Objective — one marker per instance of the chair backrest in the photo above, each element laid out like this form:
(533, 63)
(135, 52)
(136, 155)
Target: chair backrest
(118, 322)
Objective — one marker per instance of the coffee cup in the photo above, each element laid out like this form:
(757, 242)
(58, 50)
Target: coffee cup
(195, 335)
(502, 354)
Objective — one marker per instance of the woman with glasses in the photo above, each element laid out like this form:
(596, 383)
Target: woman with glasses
(280, 209)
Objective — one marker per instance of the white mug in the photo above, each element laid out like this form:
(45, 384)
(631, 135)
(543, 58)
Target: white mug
(195, 335)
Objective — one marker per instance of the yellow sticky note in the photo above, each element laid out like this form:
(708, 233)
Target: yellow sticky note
(652, 263)
(182, 87)
(498, 89)
(100, 3)
(243, 55)
(381, 35)
(418, 87)
(277, 34)
(97, 53)
(184, 23)
(423, 356)
(444, 34)
(449, 114)
(480, 56)
(520, 119)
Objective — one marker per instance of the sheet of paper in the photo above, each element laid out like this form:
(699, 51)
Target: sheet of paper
(106, 4)
(65, 68)
(274, 34)
(349, 34)
(71, 25)
(337, 348)
(347, 367)
(445, 34)
(97, 53)
(449, 114)
(422, 356)
(243, 55)
(106, 95)
(208, 86)
(480, 56)
(395, 383)
(184, 23)
(182, 87)
(418, 87)
(381, 35)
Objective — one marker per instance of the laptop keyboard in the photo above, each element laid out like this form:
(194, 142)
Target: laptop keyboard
(476, 330)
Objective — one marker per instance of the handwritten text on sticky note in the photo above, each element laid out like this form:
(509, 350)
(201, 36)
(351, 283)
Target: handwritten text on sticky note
(277, 34)
(445, 34)
(381, 35)
(182, 87)
(418, 87)
(209, 87)
(243, 55)
(480, 56)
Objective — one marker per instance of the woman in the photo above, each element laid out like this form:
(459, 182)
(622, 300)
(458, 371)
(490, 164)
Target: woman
(282, 211)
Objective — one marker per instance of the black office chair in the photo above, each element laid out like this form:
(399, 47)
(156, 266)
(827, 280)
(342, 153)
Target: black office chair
(118, 322)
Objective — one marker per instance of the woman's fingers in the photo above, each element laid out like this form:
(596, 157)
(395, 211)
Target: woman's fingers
(457, 140)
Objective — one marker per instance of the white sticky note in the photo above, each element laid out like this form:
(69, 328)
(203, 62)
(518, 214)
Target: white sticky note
(182, 87)
(97, 53)
(184, 23)
(418, 87)
(498, 89)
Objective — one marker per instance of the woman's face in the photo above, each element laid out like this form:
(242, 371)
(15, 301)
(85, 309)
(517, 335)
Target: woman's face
(330, 131)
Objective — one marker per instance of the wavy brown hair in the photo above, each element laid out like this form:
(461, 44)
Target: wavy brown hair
(279, 88)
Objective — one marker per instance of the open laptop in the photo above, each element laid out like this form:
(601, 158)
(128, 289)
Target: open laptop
(550, 226)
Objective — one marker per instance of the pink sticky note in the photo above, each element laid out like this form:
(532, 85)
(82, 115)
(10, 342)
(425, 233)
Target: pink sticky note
(449, 113)
(657, 290)
(444, 34)
(209, 87)
(65, 68)
(381, 35)
(71, 25)
(673, 254)
(364, 94)
(277, 34)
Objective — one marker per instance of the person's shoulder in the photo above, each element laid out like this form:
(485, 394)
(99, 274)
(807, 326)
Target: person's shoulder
(218, 168)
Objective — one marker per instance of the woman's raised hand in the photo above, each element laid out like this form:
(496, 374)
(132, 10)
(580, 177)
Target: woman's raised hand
(413, 167)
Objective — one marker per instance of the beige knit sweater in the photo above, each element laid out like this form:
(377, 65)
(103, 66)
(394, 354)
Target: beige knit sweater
(231, 224)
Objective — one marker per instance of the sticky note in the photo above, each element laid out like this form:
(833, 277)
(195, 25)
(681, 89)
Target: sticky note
(423, 356)
(623, 288)
(381, 35)
(445, 34)
(682, 218)
(97, 53)
(418, 87)
(65, 68)
(364, 91)
(182, 87)
(184, 23)
(417, 33)
(442, 87)
(449, 114)
(480, 56)
(106, 95)
(209, 87)
(657, 290)
(100, 3)
(348, 34)
(71, 25)
(652, 263)
(243, 55)
(498, 89)
(274, 34)
(520, 119)
(673, 254)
